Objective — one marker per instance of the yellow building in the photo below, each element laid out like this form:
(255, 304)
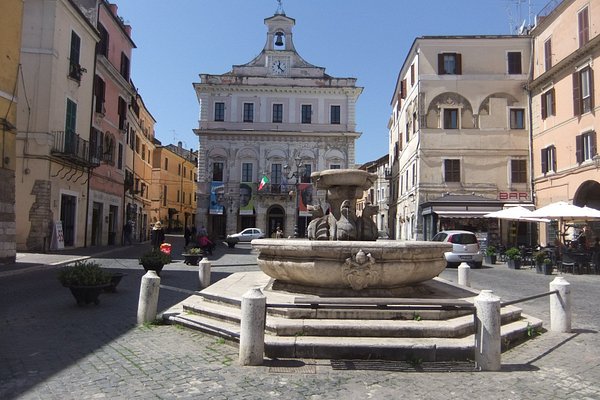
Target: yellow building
(11, 14)
(173, 191)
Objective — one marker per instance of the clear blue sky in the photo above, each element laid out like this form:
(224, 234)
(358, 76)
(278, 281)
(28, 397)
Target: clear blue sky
(365, 39)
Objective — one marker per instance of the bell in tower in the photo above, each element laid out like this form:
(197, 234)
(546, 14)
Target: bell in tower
(279, 39)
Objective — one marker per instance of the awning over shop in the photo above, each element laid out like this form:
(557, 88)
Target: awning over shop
(461, 214)
(461, 206)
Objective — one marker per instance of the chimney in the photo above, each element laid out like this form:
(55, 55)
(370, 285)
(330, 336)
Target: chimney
(113, 8)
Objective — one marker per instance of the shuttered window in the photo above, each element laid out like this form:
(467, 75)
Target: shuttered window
(548, 54)
(583, 91)
(449, 64)
(451, 170)
(548, 104)
(514, 63)
(518, 171)
(548, 159)
(583, 24)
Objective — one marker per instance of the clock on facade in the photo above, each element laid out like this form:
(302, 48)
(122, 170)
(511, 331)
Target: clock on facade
(279, 67)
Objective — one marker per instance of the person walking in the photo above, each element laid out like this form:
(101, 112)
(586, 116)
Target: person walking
(157, 235)
(127, 230)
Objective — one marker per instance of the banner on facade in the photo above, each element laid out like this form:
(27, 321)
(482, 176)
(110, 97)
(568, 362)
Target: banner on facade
(217, 198)
(247, 191)
(57, 241)
(304, 199)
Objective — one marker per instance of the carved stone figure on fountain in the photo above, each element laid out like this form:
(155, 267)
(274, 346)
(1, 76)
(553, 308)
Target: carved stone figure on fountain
(346, 225)
(367, 229)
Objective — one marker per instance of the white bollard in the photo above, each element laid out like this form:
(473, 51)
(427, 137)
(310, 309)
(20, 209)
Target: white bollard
(204, 273)
(560, 305)
(463, 274)
(252, 327)
(487, 336)
(148, 301)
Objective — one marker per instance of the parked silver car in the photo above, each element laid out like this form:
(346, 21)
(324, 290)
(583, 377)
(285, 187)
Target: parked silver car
(247, 235)
(465, 248)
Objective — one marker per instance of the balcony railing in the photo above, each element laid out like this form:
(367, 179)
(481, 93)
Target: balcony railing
(277, 189)
(69, 146)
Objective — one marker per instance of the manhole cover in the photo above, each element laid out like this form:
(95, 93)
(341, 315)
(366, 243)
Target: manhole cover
(292, 366)
(404, 366)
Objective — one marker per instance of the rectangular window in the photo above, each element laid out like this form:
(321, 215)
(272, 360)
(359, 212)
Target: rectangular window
(124, 69)
(276, 178)
(71, 119)
(548, 54)
(248, 112)
(246, 172)
(164, 197)
(102, 47)
(335, 117)
(307, 170)
(99, 93)
(120, 159)
(514, 63)
(548, 159)
(583, 24)
(306, 113)
(277, 113)
(517, 118)
(74, 67)
(585, 146)
(166, 164)
(335, 166)
(449, 64)
(217, 174)
(548, 104)
(122, 113)
(583, 91)
(452, 170)
(412, 75)
(219, 111)
(518, 171)
(450, 118)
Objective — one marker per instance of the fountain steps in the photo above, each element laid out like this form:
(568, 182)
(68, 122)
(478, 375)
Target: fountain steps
(298, 332)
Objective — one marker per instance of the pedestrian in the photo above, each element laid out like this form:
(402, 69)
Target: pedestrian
(127, 230)
(187, 235)
(157, 235)
(278, 233)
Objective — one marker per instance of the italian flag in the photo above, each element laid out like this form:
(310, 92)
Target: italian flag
(263, 182)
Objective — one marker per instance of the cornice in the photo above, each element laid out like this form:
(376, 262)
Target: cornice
(226, 89)
(271, 135)
(115, 75)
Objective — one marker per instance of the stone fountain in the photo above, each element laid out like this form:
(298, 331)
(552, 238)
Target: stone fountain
(344, 262)
(343, 252)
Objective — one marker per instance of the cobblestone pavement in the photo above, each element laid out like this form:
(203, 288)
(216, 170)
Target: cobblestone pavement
(52, 349)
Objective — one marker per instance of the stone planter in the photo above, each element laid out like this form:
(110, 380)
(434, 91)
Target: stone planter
(191, 259)
(115, 279)
(490, 259)
(231, 242)
(153, 267)
(514, 264)
(87, 294)
(546, 269)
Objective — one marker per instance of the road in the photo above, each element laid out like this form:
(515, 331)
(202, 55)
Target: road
(52, 349)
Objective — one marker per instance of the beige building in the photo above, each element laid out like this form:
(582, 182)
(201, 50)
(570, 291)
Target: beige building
(379, 194)
(53, 125)
(459, 134)
(173, 190)
(11, 12)
(565, 106)
(274, 120)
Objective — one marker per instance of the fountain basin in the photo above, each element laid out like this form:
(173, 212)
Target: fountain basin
(357, 265)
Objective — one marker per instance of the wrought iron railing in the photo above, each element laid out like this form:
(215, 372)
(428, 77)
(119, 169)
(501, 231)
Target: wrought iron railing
(277, 189)
(70, 146)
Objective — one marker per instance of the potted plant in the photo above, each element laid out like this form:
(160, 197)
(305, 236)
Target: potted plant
(192, 255)
(86, 280)
(513, 256)
(490, 255)
(154, 260)
(115, 278)
(546, 267)
(539, 257)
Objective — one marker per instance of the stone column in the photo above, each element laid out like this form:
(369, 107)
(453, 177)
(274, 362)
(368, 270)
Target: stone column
(252, 327)
(463, 274)
(148, 301)
(560, 305)
(487, 335)
(204, 273)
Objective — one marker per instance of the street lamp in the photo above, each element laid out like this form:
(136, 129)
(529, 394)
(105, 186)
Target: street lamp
(295, 174)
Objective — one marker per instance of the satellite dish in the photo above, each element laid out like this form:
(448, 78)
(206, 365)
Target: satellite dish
(521, 30)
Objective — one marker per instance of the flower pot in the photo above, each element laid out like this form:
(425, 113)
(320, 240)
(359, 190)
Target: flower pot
(87, 294)
(514, 264)
(546, 269)
(490, 259)
(156, 268)
(191, 259)
(115, 279)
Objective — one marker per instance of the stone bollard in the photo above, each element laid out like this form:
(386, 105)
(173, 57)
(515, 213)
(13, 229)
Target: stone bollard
(148, 301)
(204, 273)
(560, 305)
(488, 336)
(463, 274)
(252, 327)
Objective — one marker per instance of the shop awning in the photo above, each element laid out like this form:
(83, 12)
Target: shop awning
(461, 214)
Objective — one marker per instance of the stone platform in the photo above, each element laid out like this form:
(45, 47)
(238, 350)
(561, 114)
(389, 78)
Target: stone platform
(396, 332)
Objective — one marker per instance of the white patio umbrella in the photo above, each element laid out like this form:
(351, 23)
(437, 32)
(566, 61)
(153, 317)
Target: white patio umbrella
(564, 211)
(517, 213)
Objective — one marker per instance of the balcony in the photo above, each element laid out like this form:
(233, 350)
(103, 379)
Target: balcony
(276, 189)
(73, 149)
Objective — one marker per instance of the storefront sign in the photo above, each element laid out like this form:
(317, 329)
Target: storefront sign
(517, 196)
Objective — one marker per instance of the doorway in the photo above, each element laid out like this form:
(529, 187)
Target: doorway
(68, 212)
(275, 218)
(96, 223)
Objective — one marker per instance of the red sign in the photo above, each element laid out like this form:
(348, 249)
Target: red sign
(518, 196)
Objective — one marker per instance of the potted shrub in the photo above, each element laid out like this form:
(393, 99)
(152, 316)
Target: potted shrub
(154, 260)
(86, 280)
(115, 278)
(539, 257)
(192, 255)
(546, 267)
(490, 255)
(513, 256)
